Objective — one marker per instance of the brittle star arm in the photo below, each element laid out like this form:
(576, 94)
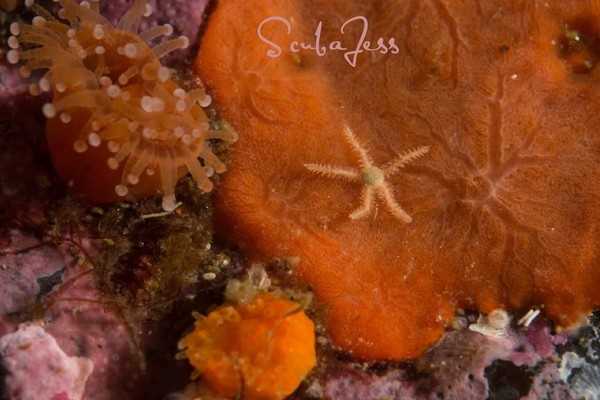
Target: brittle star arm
(366, 205)
(395, 208)
(404, 159)
(365, 160)
(334, 172)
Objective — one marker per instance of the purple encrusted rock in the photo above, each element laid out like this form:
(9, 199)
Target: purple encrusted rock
(353, 385)
(185, 16)
(76, 318)
(37, 368)
(524, 364)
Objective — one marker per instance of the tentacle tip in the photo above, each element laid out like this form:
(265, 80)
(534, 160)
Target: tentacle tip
(169, 202)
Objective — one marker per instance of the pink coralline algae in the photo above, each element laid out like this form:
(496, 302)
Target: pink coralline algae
(468, 365)
(38, 368)
(188, 14)
(33, 272)
(357, 385)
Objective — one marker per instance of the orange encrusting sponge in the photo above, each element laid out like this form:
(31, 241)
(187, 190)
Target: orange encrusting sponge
(504, 207)
(261, 350)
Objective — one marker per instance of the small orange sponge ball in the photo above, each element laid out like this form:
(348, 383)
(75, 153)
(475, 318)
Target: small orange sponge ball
(261, 350)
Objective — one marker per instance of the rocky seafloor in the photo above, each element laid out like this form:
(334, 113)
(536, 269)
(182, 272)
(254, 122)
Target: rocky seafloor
(95, 298)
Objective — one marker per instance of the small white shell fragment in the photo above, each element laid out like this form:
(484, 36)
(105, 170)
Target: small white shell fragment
(494, 325)
(209, 276)
(526, 319)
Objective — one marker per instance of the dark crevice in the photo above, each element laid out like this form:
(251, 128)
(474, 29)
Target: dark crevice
(507, 381)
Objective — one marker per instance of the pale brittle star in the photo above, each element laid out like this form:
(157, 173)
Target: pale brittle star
(371, 177)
